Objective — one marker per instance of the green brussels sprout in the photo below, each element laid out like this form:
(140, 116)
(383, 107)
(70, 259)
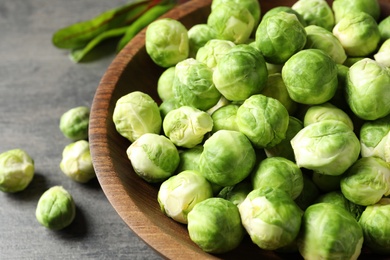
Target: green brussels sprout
(284, 148)
(343, 7)
(215, 226)
(273, 68)
(337, 198)
(279, 173)
(279, 37)
(154, 157)
(166, 42)
(193, 85)
(367, 89)
(375, 138)
(329, 232)
(186, 126)
(76, 162)
(366, 181)
(236, 193)
(320, 38)
(339, 99)
(189, 159)
(315, 12)
(225, 118)
(179, 194)
(221, 103)
(167, 106)
(56, 208)
(375, 221)
(16, 170)
(231, 21)
(286, 9)
(135, 114)
(326, 111)
(276, 88)
(328, 147)
(309, 194)
(310, 77)
(253, 7)
(327, 182)
(383, 54)
(165, 84)
(213, 51)
(264, 120)
(221, 164)
(384, 28)
(358, 33)
(74, 123)
(270, 217)
(198, 36)
(240, 73)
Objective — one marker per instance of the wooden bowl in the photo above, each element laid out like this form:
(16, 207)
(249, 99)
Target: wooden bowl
(134, 199)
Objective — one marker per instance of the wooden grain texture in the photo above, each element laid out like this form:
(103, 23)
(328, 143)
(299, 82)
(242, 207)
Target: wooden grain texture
(134, 199)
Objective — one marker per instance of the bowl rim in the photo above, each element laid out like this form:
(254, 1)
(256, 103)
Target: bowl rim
(110, 182)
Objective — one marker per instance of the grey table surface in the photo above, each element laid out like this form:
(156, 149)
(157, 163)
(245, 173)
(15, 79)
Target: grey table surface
(38, 83)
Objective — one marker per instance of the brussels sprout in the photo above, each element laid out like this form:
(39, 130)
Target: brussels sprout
(16, 170)
(186, 126)
(286, 9)
(213, 51)
(240, 73)
(221, 164)
(189, 158)
(74, 123)
(253, 7)
(284, 148)
(309, 194)
(339, 99)
(329, 232)
(198, 36)
(358, 33)
(215, 225)
(326, 182)
(135, 114)
(337, 198)
(225, 118)
(76, 162)
(279, 37)
(375, 221)
(279, 173)
(264, 120)
(326, 111)
(56, 208)
(343, 7)
(315, 12)
(193, 85)
(383, 54)
(367, 181)
(179, 194)
(232, 21)
(154, 157)
(166, 42)
(367, 90)
(310, 77)
(165, 84)
(375, 138)
(167, 106)
(328, 147)
(384, 28)
(276, 88)
(320, 38)
(273, 68)
(271, 218)
(236, 193)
